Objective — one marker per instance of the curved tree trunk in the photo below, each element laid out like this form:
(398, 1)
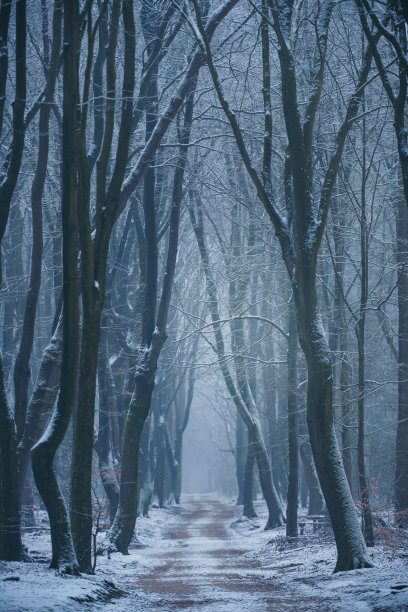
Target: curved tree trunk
(240, 392)
(42, 400)
(10, 536)
(94, 255)
(153, 323)
(22, 371)
(300, 252)
(352, 553)
(43, 453)
(275, 512)
(124, 524)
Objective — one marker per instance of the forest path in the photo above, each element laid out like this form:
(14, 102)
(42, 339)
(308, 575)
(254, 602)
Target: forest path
(203, 566)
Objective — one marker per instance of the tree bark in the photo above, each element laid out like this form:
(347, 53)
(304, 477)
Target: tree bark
(42, 400)
(22, 372)
(239, 457)
(103, 446)
(43, 453)
(10, 527)
(94, 254)
(367, 521)
(293, 441)
(345, 367)
(316, 501)
(124, 524)
(401, 448)
(350, 544)
(181, 427)
(160, 438)
(10, 535)
(5, 11)
(248, 492)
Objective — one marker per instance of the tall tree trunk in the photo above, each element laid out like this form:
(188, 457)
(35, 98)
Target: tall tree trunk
(293, 434)
(146, 461)
(22, 372)
(160, 437)
(124, 524)
(14, 268)
(42, 399)
(10, 534)
(248, 492)
(10, 529)
(43, 453)
(103, 445)
(5, 12)
(367, 521)
(346, 417)
(94, 254)
(181, 427)
(153, 329)
(316, 501)
(333, 481)
(239, 457)
(401, 448)
(123, 527)
(345, 367)
(173, 468)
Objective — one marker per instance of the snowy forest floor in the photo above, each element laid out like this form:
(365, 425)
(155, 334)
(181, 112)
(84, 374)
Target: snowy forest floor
(203, 556)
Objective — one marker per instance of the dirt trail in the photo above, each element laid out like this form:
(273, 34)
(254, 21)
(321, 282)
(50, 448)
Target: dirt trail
(201, 566)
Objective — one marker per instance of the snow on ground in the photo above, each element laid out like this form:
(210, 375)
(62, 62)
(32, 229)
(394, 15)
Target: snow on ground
(306, 565)
(203, 556)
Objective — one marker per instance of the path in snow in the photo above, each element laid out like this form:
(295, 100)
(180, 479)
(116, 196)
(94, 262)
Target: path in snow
(203, 566)
(202, 556)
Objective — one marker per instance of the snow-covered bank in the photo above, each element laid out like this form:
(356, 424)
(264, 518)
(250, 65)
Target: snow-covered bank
(34, 587)
(305, 568)
(26, 587)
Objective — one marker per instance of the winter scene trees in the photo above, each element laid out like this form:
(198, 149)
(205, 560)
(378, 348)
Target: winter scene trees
(203, 305)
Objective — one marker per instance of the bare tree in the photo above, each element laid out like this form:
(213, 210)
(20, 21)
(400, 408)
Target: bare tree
(300, 255)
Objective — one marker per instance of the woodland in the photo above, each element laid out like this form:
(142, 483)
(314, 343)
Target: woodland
(204, 281)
